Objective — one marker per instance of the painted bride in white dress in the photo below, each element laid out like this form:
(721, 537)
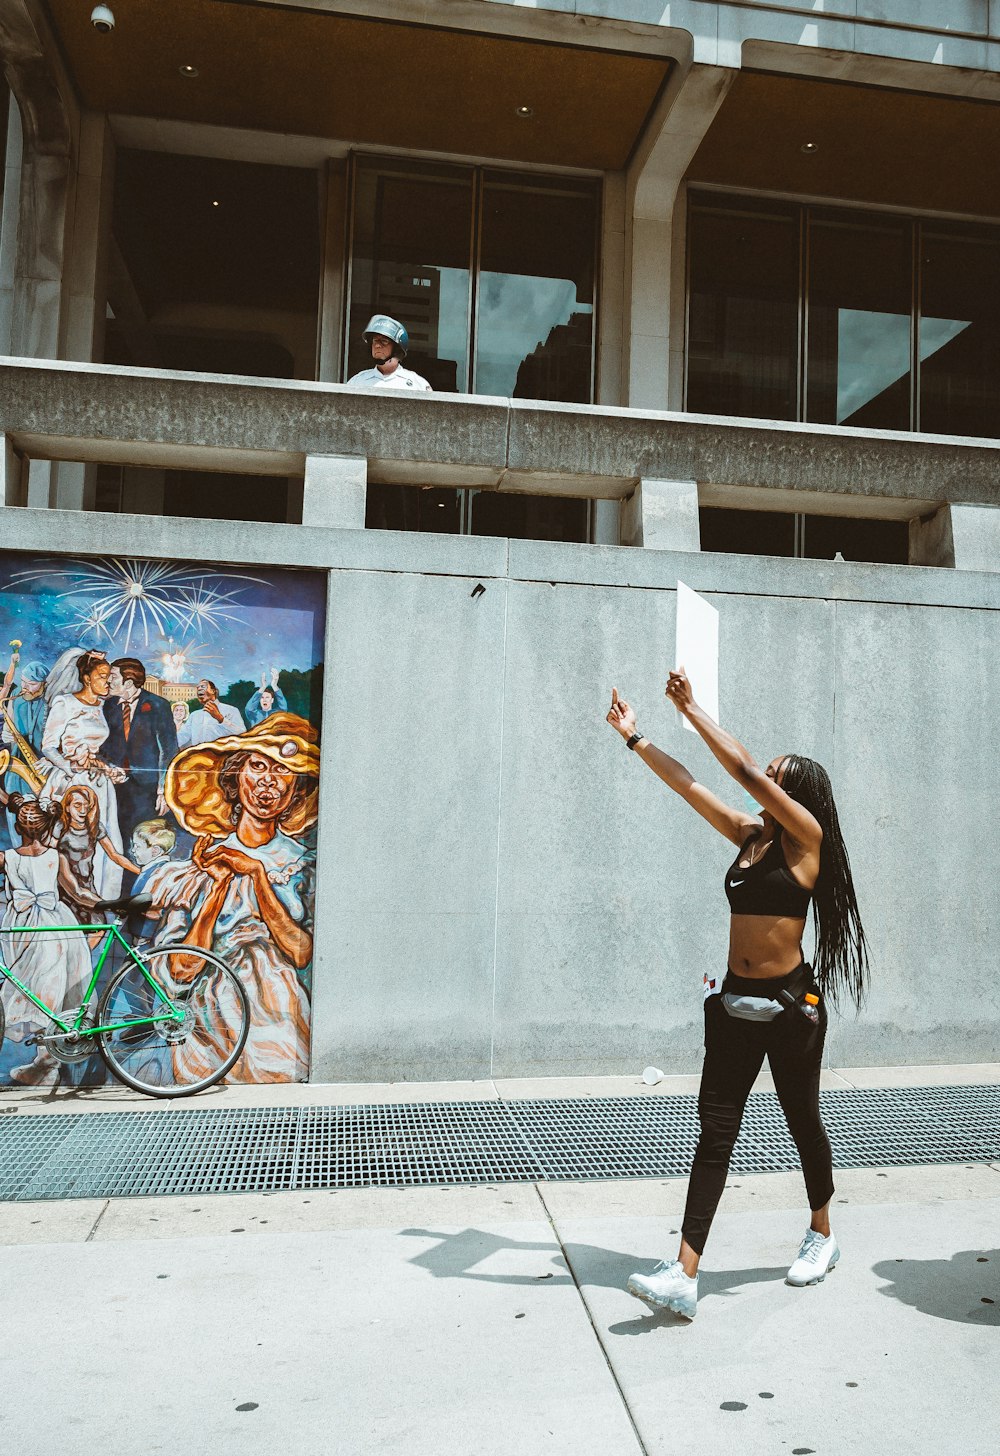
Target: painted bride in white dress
(75, 731)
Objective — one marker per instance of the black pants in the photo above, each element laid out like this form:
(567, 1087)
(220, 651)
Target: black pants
(734, 1054)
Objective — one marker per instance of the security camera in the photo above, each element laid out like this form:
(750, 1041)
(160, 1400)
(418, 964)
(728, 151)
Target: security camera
(102, 18)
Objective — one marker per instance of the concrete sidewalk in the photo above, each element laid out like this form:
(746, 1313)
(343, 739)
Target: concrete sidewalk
(491, 1321)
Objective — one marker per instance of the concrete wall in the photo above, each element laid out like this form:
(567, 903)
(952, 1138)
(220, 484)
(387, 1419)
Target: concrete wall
(504, 888)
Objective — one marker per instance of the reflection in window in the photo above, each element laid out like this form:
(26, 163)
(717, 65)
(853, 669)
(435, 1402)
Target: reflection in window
(959, 332)
(743, 318)
(413, 508)
(821, 538)
(859, 306)
(205, 495)
(213, 266)
(410, 259)
(536, 292)
(527, 301)
(529, 517)
(882, 299)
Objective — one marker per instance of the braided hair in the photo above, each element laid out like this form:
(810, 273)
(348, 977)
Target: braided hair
(841, 958)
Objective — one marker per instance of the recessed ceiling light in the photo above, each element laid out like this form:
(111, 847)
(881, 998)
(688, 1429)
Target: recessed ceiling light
(188, 71)
(810, 148)
(524, 112)
(215, 204)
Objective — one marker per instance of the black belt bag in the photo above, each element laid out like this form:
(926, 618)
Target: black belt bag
(766, 1008)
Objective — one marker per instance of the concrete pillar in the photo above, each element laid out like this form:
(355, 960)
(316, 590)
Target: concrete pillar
(334, 491)
(11, 475)
(663, 515)
(610, 387)
(605, 523)
(963, 536)
(88, 238)
(655, 236)
(40, 492)
(330, 342)
(8, 224)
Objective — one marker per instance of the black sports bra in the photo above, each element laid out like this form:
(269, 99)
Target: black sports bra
(767, 887)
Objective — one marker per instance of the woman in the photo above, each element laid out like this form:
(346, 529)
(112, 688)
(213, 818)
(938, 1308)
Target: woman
(56, 968)
(248, 890)
(793, 852)
(75, 730)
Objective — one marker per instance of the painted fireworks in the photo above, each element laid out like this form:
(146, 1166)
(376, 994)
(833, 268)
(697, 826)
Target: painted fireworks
(124, 600)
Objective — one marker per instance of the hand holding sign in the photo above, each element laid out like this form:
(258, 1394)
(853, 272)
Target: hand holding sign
(697, 648)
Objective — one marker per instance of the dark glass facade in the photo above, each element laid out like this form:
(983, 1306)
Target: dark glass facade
(493, 275)
(834, 316)
(491, 272)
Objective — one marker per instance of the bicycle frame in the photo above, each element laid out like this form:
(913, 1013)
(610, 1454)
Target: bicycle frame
(111, 933)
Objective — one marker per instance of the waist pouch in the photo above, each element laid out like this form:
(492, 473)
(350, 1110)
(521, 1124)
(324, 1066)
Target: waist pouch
(763, 1008)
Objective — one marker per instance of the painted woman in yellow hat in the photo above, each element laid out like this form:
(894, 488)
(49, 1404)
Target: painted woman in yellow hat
(247, 891)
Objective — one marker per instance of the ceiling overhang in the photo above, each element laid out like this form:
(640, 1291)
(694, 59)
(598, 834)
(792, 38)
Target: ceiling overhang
(868, 144)
(558, 93)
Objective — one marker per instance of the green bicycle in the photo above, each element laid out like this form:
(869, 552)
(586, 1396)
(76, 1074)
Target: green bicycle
(172, 1021)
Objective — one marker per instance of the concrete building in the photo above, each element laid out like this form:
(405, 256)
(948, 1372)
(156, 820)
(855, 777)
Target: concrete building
(776, 228)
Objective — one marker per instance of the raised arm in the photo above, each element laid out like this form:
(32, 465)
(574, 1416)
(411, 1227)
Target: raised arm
(732, 824)
(793, 817)
(112, 852)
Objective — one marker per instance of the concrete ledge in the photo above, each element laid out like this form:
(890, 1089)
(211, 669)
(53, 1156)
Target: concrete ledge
(489, 557)
(92, 412)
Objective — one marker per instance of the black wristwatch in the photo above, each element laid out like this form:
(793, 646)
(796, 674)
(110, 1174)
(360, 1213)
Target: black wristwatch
(636, 738)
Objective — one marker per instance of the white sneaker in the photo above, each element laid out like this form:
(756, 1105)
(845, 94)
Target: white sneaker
(817, 1256)
(668, 1287)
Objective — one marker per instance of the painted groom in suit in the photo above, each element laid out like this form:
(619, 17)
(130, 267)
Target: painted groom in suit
(142, 739)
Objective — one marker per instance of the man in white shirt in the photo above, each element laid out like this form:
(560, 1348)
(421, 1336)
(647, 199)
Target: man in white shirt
(389, 342)
(212, 720)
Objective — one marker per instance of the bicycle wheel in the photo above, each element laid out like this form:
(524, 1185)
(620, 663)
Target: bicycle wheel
(174, 1058)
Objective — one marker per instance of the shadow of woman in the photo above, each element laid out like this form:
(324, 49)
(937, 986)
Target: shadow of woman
(454, 1256)
(964, 1288)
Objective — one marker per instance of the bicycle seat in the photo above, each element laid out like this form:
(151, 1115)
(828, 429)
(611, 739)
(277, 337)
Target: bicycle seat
(128, 904)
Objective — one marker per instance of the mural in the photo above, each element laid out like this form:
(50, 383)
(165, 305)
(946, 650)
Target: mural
(159, 733)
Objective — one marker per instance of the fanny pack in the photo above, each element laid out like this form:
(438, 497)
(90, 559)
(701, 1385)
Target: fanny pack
(763, 1008)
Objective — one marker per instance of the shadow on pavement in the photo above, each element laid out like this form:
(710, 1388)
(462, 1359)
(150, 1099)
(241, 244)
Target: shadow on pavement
(455, 1256)
(963, 1288)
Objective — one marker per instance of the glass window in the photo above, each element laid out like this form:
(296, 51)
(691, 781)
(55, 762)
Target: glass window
(411, 259)
(493, 275)
(411, 508)
(743, 321)
(855, 538)
(519, 321)
(900, 317)
(205, 495)
(214, 266)
(959, 332)
(535, 298)
(529, 517)
(858, 321)
(753, 533)
(783, 533)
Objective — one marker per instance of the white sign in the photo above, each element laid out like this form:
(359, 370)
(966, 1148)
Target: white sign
(697, 648)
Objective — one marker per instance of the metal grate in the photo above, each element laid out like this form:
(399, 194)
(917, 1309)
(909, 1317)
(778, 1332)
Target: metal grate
(132, 1154)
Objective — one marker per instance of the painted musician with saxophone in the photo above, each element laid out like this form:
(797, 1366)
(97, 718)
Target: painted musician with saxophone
(23, 711)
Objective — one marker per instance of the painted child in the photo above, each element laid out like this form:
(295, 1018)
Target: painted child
(153, 842)
(81, 833)
(57, 968)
